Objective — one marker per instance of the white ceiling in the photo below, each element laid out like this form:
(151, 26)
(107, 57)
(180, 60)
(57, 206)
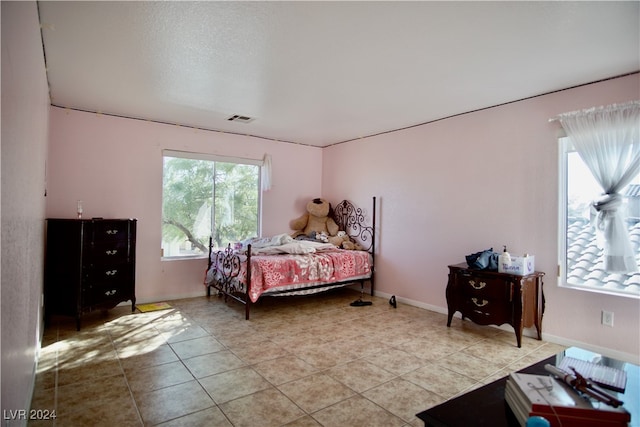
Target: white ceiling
(320, 73)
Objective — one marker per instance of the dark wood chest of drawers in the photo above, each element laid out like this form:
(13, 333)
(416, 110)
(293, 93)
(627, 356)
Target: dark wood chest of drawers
(89, 265)
(492, 298)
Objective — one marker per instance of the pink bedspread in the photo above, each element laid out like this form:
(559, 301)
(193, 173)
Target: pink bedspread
(270, 272)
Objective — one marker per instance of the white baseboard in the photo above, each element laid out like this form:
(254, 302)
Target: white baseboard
(414, 303)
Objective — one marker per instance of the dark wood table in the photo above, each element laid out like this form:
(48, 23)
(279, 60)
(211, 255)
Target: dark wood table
(486, 406)
(493, 298)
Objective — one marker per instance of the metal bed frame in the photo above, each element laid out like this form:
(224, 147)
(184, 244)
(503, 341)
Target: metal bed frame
(227, 262)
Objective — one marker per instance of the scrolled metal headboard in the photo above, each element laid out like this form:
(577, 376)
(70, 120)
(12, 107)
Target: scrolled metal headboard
(351, 219)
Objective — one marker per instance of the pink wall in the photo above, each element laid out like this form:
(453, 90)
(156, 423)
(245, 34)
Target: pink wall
(475, 181)
(479, 180)
(25, 111)
(114, 165)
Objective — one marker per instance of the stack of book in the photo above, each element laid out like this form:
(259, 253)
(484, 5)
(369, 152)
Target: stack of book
(543, 395)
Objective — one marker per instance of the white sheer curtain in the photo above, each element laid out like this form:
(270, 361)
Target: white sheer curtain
(265, 179)
(607, 140)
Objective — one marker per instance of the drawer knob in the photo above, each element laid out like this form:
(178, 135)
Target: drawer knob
(111, 272)
(481, 303)
(475, 285)
(112, 232)
(111, 292)
(112, 252)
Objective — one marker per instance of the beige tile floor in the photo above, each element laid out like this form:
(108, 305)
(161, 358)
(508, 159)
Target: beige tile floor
(299, 361)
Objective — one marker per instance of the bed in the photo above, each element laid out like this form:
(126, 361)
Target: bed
(278, 266)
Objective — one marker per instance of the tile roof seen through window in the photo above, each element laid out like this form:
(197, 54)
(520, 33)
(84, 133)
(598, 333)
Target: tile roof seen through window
(585, 261)
(633, 191)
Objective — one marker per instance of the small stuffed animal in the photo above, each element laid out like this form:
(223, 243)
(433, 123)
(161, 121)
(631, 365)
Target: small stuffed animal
(322, 236)
(316, 219)
(347, 243)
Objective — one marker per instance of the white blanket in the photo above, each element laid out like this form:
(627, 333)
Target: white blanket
(284, 244)
(265, 242)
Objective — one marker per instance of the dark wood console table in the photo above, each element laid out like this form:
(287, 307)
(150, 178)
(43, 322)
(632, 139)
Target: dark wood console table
(486, 406)
(492, 298)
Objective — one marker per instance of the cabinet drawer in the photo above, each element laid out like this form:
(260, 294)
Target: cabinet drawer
(488, 287)
(110, 231)
(115, 252)
(106, 295)
(110, 273)
(486, 311)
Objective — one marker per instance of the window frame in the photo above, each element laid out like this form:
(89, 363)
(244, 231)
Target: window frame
(190, 155)
(565, 146)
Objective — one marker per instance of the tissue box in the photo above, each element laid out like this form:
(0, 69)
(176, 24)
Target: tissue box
(520, 265)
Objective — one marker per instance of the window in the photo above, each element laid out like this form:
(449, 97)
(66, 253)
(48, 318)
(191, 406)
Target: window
(205, 196)
(581, 257)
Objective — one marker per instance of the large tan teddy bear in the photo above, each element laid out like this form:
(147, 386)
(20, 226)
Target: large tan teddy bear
(317, 221)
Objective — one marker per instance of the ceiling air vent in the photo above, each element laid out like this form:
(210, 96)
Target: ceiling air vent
(239, 118)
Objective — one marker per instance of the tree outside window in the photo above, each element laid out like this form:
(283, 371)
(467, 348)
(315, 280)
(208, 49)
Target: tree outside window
(205, 197)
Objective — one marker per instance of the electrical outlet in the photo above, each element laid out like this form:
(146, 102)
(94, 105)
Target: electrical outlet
(607, 318)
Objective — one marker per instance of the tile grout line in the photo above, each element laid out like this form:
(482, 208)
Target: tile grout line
(126, 379)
